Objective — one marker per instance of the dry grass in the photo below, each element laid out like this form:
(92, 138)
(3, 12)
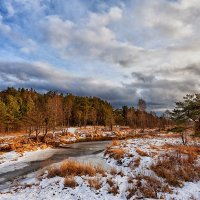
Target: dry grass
(193, 151)
(20, 144)
(113, 171)
(130, 180)
(150, 186)
(95, 183)
(137, 162)
(70, 181)
(154, 147)
(117, 154)
(115, 143)
(131, 191)
(100, 170)
(177, 168)
(110, 182)
(141, 153)
(72, 167)
(53, 171)
(121, 173)
(114, 190)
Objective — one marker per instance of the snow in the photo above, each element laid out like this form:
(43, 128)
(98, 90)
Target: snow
(72, 129)
(53, 188)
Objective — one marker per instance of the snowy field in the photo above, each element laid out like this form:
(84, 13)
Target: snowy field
(123, 175)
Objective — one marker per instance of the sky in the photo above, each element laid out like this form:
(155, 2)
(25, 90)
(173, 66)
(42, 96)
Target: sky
(118, 50)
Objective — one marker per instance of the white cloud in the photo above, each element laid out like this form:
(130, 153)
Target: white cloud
(4, 27)
(158, 39)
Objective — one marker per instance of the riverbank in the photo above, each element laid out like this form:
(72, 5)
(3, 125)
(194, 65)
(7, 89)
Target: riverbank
(130, 172)
(33, 161)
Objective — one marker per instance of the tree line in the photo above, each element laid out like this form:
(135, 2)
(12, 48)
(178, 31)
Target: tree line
(26, 109)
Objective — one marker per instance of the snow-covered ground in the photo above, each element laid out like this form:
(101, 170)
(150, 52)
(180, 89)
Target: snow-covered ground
(72, 129)
(153, 147)
(53, 188)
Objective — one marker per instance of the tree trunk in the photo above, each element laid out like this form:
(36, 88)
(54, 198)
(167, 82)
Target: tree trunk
(197, 127)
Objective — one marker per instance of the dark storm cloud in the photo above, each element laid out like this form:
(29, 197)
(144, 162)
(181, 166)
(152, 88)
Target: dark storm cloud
(142, 77)
(43, 77)
(193, 69)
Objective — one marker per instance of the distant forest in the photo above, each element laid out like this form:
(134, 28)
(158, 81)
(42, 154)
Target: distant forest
(26, 109)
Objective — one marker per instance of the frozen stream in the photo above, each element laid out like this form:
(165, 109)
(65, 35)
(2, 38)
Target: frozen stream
(85, 151)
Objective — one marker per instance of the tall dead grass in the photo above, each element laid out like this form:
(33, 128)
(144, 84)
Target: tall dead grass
(95, 183)
(116, 153)
(70, 182)
(141, 153)
(75, 168)
(177, 167)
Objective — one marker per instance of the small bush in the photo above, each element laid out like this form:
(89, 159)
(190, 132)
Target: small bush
(115, 143)
(95, 183)
(117, 154)
(121, 173)
(152, 186)
(137, 162)
(176, 168)
(72, 167)
(110, 182)
(177, 129)
(141, 153)
(100, 170)
(113, 171)
(53, 171)
(114, 190)
(131, 191)
(70, 182)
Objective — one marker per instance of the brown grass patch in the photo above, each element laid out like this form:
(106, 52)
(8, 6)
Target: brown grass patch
(115, 143)
(70, 181)
(100, 170)
(110, 182)
(53, 171)
(72, 167)
(137, 162)
(113, 171)
(193, 151)
(154, 147)
(152, 186)
(177, 168)
(114, 190)
(95, 183)
(141, 153)
(121, 173)
(117, 154)
(131, 191)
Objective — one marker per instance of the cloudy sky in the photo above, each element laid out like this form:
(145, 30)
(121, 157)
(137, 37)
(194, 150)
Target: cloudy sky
(119, 50)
